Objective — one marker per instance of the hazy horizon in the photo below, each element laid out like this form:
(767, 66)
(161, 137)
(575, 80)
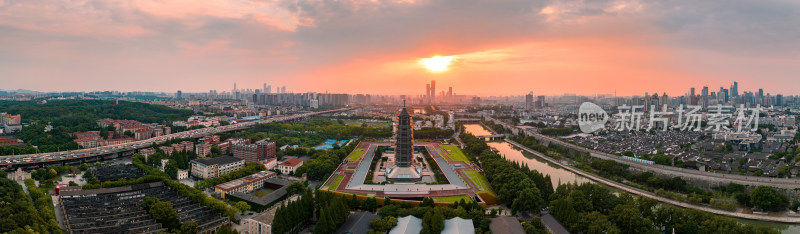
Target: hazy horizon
(506, 47)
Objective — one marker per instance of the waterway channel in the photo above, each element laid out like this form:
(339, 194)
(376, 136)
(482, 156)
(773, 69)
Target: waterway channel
(559, 175)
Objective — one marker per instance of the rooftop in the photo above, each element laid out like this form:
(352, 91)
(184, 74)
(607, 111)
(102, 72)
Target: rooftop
(245, 180)
(218, 160)
(357, 223)
(291, 162)
(506, 224)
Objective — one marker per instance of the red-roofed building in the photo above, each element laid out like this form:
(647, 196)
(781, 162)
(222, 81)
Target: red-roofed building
(290, 165)
(210, 139)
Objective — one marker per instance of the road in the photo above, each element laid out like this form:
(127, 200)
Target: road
(6, 161)
(653, 196)
(717, 178)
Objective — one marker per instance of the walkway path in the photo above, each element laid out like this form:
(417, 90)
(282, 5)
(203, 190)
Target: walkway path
(653, 196)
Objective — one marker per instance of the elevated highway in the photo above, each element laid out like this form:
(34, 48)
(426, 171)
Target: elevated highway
(74, 157)
(711, 177)
(782, 219)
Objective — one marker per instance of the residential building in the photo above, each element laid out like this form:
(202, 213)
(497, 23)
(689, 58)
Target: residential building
(260, 151)
(259, 224)
(290, 165)
(18, 175)
(183, 174)
(245, 184)
(203, 149)
(210, 139)
(213, 167)
(270, 163)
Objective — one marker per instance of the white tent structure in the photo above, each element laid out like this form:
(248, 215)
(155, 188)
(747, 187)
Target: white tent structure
(458, 226)
(408, 225)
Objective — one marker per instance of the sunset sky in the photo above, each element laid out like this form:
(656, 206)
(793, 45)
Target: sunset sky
(498, 47)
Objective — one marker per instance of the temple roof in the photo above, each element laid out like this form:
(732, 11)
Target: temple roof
(404, 112)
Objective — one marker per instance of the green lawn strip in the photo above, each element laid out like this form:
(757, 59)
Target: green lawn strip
(356, 154)
(451, 199)
(455, 154)
(335, 184)
(479, 180)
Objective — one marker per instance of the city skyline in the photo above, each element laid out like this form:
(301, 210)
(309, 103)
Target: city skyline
(556, 47)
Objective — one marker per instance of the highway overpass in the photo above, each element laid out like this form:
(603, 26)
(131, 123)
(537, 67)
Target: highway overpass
(75, 157)
(711, 177)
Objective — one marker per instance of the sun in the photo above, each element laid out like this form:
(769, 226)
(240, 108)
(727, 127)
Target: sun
(437, 63)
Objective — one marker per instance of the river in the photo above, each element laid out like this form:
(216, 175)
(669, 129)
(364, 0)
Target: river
(557, 174)
(560, 176)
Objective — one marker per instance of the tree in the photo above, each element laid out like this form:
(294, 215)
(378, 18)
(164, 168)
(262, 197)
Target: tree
(629, 220)
(432, 222)
(295, 188)
(354, 203)
(324, 223)
(370, 204)
(171, 169)
(189, 227)
(161, 211)
(384, 224)
(243, 206)
(529, 199)
(765, 197)
(427, 202)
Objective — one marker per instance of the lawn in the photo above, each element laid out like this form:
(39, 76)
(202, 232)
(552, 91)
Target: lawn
(359, 123)
(356, 154)
(479, 180)
(262, 192)
(335, 184)
(454, 153)
(452, 199)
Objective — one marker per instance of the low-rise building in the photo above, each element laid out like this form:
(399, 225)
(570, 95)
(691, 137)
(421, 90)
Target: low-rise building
(147, 152)
(183, 174)
(203, 149)
(245, 184)
(289, 165)
(259, 224)
(270, 163)
(18, 175)
(210, 139)
(213, 167)
(166, 149)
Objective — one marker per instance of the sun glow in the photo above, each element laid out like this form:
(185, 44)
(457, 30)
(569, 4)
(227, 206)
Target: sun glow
(437, 63)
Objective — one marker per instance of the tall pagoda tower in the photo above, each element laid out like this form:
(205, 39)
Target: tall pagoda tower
(405, 138)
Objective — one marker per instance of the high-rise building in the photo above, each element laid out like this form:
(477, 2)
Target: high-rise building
(428, 92)
(450, 91)
(540, 102)
(705, 97)
(529, 101)
(179, 95)
(269, 89)
(433, 91)
(260, 151)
